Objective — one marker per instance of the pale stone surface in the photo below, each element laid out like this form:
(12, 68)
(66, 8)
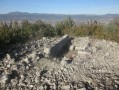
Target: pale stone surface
(3, 78)
(25, 59)
(72, 47)
(66, 87)
(32, 55)
(82, 89)
(81, 43)
(63, 62)
(8, 57)
(47, 50)
(83, 53)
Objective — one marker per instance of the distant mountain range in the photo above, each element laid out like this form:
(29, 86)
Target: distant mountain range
(53, 18)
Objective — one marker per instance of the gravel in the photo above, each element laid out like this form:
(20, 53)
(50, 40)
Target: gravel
(89, 64)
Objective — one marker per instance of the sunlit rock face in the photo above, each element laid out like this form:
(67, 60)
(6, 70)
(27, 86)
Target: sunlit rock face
(61, 47)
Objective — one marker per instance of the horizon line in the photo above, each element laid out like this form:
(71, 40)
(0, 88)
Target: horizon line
(57, 13)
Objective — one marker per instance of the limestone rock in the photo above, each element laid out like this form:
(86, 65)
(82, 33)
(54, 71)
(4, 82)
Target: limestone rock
(32, 55)
(59, 49)
(36, 79)
(40, 88)
(47, 50)
(82, 89)
(71, 47)
(83, 53)
(3, 78)
(28, 80)
(63, 62)
(44, 38)
(25, 59)
(81, 43)
(8, 57)
(66, 87)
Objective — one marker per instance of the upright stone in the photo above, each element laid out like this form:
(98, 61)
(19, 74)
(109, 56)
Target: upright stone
(61, 47)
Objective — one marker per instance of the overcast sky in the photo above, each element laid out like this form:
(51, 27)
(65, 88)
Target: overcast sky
(61, 6)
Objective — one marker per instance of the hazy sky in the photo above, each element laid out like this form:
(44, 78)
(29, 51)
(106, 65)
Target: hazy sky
(61, 6)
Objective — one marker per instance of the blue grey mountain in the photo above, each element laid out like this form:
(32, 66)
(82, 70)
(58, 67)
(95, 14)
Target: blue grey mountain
(53, 18)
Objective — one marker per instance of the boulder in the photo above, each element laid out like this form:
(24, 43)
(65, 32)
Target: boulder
(61, 47)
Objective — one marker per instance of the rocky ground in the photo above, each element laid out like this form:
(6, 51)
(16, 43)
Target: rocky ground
(89, 64)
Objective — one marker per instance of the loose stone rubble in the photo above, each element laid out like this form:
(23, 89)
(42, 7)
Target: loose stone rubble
(89, 64)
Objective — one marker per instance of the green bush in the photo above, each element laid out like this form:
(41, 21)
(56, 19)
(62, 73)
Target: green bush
(15, 32)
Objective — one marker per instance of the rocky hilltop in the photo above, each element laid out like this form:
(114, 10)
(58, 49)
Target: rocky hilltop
(65, 63)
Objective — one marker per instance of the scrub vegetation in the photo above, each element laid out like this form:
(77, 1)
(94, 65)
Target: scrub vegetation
(15, 32)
